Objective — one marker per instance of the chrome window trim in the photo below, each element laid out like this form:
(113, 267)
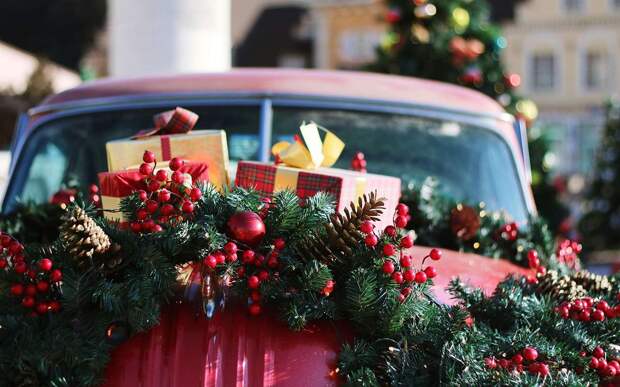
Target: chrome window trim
(266, 103)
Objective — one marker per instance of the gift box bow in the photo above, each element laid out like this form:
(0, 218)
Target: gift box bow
(311, 152)
(176, 121)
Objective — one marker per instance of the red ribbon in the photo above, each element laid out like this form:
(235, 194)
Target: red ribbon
(176, 121)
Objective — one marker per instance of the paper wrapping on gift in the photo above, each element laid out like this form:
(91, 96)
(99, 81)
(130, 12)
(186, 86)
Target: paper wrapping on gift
(207, 146)
(114, 186)
(344, 185)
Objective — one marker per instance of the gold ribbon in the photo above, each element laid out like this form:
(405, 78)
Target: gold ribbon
(313, 152)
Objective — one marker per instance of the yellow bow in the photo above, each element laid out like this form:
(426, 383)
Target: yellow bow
(313, 153)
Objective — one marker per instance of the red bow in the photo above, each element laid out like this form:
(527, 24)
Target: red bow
(174, 121)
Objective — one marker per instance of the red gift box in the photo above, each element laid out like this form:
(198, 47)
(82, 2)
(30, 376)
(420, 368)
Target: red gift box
(344, 185)
(114, 186)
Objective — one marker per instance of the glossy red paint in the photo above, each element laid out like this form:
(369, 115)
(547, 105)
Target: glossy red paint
(346, 84)
(234, 349)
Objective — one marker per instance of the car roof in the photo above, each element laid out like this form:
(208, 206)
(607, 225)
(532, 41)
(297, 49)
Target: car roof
(336, 84)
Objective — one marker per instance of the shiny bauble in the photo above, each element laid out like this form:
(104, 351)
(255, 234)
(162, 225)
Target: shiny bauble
(246, 227)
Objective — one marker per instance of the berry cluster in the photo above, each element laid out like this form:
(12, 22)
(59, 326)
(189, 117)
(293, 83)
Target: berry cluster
(605, 365)
(568, 252)
(168, 199)
(256, 268)
(359, 162)
(527, 359)
(396, 263)
(509, 232)
(534, 263)
(36, 284)
(588, 310)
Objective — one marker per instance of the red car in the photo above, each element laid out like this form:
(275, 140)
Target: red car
(406, 127)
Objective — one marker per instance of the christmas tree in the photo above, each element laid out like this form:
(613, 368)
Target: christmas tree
(454, 41)
(600, 225)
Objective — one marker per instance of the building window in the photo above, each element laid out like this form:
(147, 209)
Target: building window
(595, 70)
(543, 72)
(573, 5)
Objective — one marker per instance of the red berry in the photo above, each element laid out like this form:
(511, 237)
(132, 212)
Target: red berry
(584, 315)
(615, 364)
(517, 359)
(187, 207)
(15, 248)
(32, 274)
(504, 363)
(148, 157)
(255, 296)
(406, 242)
(406, 292)
(254, 309)
(248, 256)
(154, 185)
(400, 221)
(152, 206)
(272, 262)
(157, 228)
(397, 277)
(135, 227)
(420, 277)
(93, 189)
(371, 240)
(161, 175)
(219, 257)
(28, 302)
(5, 240)
(389, 250)
(490, 362)
(587, 301)
(45, 264)
(401, 298)
(390, 231)
(598, 315)
(3, 263)
(533, 368)
(178, 177)
(602, 305)
(263, 275)
(142, 195)
(146, 169)
(148, 225)
(253, 282)
(279, 244)
(230, 247)
(406, 261)
(20, 267)
(42, 308)
(195, 194)
(532, 258)
(54, 306)
(577, 305)
(166, 209)
(43, 286)
(388, 267)
(56, 276)
(409, 275)
(543, 369)
(564, 312)
(435, 254)
(175, 163)
(530, 353)
(541, 270)
(210, 261)
(402, 209)
(142, 214)
(367, 227)
(594, 362)
(598, 352)
(17, 289)
(430, 271)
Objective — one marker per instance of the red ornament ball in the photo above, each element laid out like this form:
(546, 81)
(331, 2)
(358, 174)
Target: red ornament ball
(246, 227)
(45, 264)
(530, 353)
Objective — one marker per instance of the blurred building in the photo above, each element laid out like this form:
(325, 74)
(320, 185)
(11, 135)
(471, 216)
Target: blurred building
(568, 54)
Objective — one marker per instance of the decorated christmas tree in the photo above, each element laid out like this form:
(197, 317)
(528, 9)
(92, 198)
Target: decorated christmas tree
(600, 225)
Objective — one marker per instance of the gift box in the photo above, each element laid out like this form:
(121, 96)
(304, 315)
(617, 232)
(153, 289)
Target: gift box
(114, 186)
(344, 185)
(171, 137)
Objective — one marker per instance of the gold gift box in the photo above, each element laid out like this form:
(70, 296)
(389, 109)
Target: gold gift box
(207, 146)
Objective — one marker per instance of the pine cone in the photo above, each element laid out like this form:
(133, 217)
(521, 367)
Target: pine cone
(561, 288)
(342, 231)
(82, 236)
(593, 282)
(464, 222)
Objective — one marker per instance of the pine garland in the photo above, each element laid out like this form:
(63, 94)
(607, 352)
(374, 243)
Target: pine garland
(402, 336)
